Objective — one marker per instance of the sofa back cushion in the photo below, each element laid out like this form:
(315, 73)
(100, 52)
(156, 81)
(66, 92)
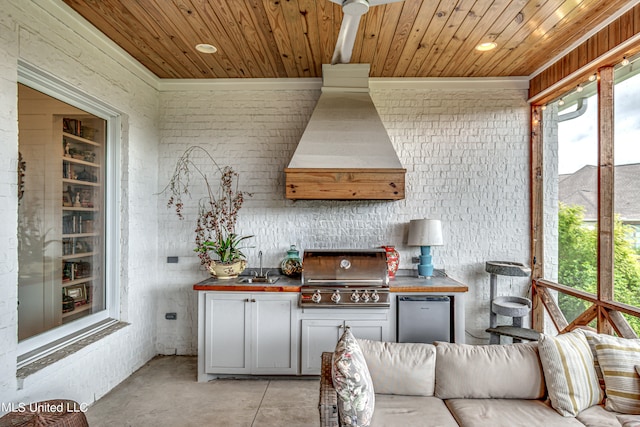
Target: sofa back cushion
(400, 368)
(488, 371)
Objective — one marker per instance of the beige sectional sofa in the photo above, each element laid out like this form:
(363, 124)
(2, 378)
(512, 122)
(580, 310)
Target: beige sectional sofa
(459, 385)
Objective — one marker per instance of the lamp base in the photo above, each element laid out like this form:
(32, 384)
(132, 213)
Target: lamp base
(425, 268)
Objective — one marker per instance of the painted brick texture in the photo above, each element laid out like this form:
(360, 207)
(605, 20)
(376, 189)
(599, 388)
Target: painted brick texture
(465, 152)
(40, 34)
(466, 155)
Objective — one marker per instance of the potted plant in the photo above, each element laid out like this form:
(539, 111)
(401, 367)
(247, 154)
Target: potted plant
(217, 244)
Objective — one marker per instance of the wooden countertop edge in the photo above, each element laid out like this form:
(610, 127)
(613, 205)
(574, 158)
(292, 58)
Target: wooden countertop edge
(430, 289)
(246, 288)
(294, 288)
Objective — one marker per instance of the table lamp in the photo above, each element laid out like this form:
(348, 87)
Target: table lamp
(425, 233)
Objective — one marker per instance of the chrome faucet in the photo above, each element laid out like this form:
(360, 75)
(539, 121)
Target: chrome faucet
(260, 258)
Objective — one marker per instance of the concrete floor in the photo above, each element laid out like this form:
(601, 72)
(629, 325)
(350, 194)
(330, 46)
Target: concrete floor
(164, 392)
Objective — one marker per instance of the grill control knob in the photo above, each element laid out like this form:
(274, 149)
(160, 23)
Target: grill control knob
(365, 296)
(355, 297)
(375, 297)
(335, 297)
(316, 297)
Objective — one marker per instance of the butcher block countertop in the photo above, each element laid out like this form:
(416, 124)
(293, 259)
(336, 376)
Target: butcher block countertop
(400, 284)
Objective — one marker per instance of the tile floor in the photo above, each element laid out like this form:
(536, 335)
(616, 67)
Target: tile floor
(164, 392)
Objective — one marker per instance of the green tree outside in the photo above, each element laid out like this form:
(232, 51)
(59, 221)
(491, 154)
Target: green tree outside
(578, 262)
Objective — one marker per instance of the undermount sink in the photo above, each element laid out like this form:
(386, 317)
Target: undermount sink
(268, 280)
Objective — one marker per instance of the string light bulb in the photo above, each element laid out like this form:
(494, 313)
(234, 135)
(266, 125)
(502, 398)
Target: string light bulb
(579, 88)
(624, 62)
(592, 78)
(544, 107)
(561, 102)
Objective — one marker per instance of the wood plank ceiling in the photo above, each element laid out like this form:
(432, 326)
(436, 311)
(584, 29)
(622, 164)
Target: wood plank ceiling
(292, 38)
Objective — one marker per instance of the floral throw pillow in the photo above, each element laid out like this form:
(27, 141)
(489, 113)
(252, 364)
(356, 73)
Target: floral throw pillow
(352, 382)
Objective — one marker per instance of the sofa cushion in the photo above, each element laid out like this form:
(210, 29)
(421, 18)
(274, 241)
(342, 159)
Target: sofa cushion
(510, 371)
(506, 413)
(569, 372)
(617, 358)
(352, 382)
(400, 368)
(396, 410)
(597, 416)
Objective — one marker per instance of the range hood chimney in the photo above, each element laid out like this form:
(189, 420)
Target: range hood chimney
(345, 152)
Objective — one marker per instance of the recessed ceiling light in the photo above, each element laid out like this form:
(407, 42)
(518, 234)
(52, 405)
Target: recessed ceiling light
(483, 47)
(206, 48)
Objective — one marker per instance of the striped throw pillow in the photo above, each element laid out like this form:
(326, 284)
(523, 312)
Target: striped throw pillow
(592, 345)
(618, 358)
(569, 372)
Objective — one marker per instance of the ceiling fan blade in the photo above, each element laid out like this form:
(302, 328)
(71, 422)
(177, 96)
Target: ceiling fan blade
(379, 2)
(346, 39)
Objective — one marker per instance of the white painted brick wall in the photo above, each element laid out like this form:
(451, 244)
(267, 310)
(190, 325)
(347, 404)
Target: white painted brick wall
(466, 155)
(38, 32)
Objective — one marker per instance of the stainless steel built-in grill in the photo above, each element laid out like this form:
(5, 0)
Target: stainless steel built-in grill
(345, 278)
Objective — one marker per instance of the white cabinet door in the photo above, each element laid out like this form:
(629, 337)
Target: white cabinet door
(274, 337)
(227, 333)
(318, 336)
(374, 330)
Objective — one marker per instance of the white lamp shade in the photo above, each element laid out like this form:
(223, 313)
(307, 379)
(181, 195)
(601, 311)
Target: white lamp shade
(425, 232)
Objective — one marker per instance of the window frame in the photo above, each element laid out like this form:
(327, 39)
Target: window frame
(39, 345)
(604, 308)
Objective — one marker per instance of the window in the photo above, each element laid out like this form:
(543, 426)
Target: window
(576, 206)
(626, 179)
(66, 214)
(586, 207)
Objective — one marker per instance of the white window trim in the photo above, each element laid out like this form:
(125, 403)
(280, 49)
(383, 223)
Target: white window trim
(38, 346)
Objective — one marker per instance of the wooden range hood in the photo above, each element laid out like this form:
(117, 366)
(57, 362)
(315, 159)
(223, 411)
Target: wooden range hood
(345, 152)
